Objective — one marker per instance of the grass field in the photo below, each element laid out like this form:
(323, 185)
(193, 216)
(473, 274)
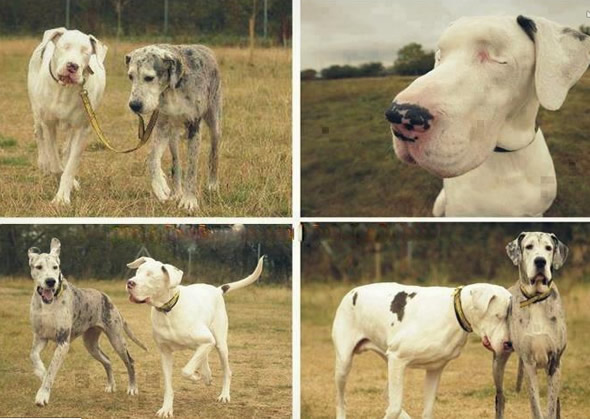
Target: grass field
(255, 157)
(466, 389)
(348, 167)
(259, 354)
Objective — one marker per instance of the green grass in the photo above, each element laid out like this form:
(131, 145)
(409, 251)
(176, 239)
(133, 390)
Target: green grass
(7, 142)
(259, 353)
(14, 161)
(348, 167)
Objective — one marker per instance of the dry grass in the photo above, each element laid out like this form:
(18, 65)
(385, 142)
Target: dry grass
(259, 348)
(466, 389)
(255, 157)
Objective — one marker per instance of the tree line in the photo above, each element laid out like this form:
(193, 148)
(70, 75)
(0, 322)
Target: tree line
(223, 21)
(212, 253)
(429, 253)
(412, 60)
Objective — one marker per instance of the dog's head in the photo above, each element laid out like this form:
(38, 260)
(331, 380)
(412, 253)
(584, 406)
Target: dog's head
(537, 255)
(72, 55)
(489, 76)
(152, 70)
(45, 271)
(152, 282)
(486, 307)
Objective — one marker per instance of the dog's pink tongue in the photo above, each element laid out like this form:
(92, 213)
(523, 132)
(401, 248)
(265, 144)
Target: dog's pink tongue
(47, 293)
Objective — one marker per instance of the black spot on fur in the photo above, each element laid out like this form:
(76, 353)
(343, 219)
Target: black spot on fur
(576, 34)
(528, 26)
(553, 318)
(398, 304)
(553, 365)
(192, 128)
(61, 336)
(354, 297)
(224, 288)
(107, 308)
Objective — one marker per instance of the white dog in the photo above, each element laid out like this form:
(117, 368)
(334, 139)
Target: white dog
(471, 120)
(415, 327)
(191, 317)
(63, 62)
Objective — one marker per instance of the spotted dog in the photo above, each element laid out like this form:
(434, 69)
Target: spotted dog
(61, 312)
(185, 317)
(536, 320)
(415, 327)
(472, 119)
(183, 83)
(63, 62)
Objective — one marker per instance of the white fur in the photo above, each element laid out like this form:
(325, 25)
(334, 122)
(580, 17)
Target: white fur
(198, 321)
(428, 335)
(484, 91)
(57, 104)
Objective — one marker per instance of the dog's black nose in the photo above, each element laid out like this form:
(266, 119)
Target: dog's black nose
(540, 262)
(50, 282)
(72, 67)
(135, 105)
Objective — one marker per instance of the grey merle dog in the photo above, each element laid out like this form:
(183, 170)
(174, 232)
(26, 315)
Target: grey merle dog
(61, 312)
(181, 82)
(536, 320)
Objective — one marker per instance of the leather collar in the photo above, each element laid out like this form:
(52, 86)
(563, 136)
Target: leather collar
(169, 305)
(535, 298)
(499, 149)
(463, 322)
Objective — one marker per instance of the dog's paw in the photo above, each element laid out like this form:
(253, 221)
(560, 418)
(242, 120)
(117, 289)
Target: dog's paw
(213, 185)
(42, 398)
(165, 412)
(161, 189)
(76, 185)
(192, 376)
(206, 374)
(189, 203)
(110, 388)
(223, 398)
(132, 390)
(61, 199)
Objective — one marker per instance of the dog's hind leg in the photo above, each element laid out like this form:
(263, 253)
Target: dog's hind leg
(176, 169)
(115, 335)
(213, 120)
(38, 346)
(91, 343)
(342, 369)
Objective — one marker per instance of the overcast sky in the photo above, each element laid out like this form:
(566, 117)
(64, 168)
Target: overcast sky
(356, 31)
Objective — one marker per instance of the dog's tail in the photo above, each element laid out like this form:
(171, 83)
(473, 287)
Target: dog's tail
(519, 375)
(132, 336)
(232, 286)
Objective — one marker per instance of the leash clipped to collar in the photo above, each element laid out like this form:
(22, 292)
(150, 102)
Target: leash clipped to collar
(143, 133)
(463, 322)
(169, 305)
(534, 298)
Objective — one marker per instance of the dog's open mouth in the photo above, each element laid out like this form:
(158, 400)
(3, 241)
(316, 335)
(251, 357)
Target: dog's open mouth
(66, 79)
(540, 277)
(46, 294)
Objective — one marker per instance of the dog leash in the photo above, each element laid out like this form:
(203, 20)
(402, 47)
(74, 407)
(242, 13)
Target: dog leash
(532, 299)
(143, 133)
(463, 322)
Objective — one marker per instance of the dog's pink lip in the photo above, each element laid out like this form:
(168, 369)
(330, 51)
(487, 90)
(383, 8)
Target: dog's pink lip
(46, 294)
(67, 78)
(486, 343)
(136, 301)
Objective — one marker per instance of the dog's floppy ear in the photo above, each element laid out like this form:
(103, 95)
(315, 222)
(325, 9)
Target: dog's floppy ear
(127, 60)
(514, 249)
(175, 70)
(560, 252)
(51, 35)
(33, 252)
(482, 297)
(99, 53)
(138, 262)
(562, 55)
(55, 247)
(173, 273)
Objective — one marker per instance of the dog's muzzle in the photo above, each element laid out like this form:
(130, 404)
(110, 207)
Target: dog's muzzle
(47, 294)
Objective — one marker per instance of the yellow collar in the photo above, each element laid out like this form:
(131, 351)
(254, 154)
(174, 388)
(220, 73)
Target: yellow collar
(463, 322)
(534, 298)
(169, 305)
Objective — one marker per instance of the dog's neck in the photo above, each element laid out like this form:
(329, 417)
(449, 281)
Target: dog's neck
(164, 298)
(520, 128)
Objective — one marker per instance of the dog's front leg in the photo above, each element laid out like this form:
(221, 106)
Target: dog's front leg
(167, 363)
(67, 182)
(499, 364)
(530, 371)
(189, 197)
(59, 355)
(553, 385)
(430, 388)
(159, 144)
(38, 346)
(395, 370)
